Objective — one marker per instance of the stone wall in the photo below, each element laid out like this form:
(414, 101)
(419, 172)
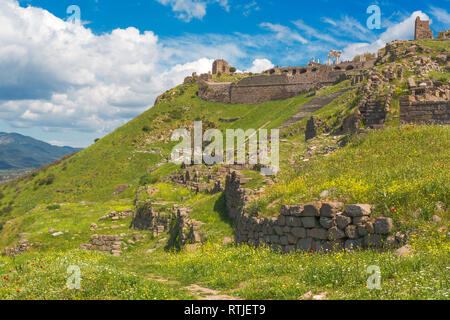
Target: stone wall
(317, 226)
(279, 83)
(104, 243)
(430, 112)
(444, 34)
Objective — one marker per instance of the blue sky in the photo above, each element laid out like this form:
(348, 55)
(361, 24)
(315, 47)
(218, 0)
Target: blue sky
(69, 84)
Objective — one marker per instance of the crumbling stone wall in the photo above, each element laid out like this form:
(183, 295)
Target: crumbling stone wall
(422, 30)
(279, 83)
(430, 112)
(317, 226)
(180, 227)
(444, 35)
(105, 243)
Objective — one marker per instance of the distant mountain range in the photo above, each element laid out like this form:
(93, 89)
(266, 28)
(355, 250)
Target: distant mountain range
(18, 152)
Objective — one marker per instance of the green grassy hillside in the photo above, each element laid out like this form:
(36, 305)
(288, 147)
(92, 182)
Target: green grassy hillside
(402, 170)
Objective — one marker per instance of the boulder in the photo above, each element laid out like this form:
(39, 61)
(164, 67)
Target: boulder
(404, 251)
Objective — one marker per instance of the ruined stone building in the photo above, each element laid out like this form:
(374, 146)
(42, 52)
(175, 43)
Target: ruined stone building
(422, 30)
(279, 83)
(221, 66)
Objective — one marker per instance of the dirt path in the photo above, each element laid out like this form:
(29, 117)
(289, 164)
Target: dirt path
(201, 293)
(312, 106)
(207, 294)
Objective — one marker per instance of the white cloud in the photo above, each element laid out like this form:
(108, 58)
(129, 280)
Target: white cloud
(314, 33)
(440, 14)
(349, 27)
(59, 75)
(284, 33)
(188, 9)
(260, 65)
(400, 31)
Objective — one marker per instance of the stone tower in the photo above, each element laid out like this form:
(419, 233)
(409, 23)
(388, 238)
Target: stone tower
(422, 30)
(221, 66)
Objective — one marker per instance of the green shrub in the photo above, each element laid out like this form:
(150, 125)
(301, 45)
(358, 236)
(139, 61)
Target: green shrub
(48, 180)
(146, 128)
(147, 179)
(53, 207)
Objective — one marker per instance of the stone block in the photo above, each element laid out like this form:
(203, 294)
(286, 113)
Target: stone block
(296, 210)
(274, 239)
(308, 222)
(360, 220)
(311, 209)
(278, 230)
(327, 223)
(357, 210)
(299, 232)
(292, 239)
(352, 244)
(351, 232)
(305, 244)
(362, 230)
(318, 233)
(281, 220)
(335, 233)
(373, 241)
(383, 225)
(343, 221)
(290, 221)
(330, 208)
(284, 240)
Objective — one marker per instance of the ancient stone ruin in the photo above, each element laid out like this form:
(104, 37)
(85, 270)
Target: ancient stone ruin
(105, 243)
(336, 56)
(221, 66)
(181, 229)
(317, 226)
(422, 30)
(280, 83)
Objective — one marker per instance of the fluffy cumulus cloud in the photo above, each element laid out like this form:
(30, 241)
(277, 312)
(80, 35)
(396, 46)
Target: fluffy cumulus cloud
(188, 9)
(403, 30)
(260, 65)
(60, 75)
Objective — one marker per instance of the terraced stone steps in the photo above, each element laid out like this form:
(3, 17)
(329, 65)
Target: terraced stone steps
(312, 106)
